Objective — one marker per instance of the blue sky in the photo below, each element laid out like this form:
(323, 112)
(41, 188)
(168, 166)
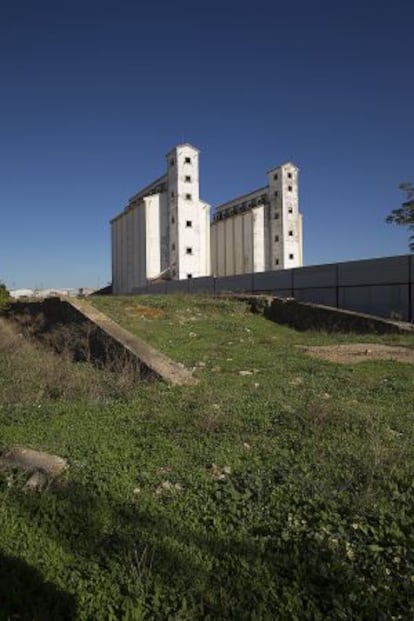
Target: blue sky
(93, 94)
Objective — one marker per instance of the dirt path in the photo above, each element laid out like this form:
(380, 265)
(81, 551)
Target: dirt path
(360, 352)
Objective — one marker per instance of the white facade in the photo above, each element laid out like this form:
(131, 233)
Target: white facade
(259, 231)
(164, 229)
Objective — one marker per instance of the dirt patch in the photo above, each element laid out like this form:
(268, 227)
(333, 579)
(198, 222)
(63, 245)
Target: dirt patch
(149, 312)
(360, 352)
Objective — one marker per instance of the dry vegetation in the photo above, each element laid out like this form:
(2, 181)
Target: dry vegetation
(41, 375)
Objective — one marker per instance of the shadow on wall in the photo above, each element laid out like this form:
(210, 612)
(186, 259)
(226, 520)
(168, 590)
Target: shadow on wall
(24, 595)
(314, 317)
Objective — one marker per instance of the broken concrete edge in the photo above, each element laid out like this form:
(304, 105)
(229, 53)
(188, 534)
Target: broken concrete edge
(30, 460)
(42, 469)
(308, 316)
(160, 364)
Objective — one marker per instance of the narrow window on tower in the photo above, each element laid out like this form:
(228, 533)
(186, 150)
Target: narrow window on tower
(275, 176)
(189, 223)
(172, 193)
(290, 233)
(189, 250)
(276, 193)
(290, 210)
(189, 275)
(276, 215)
(187, 178)
(187, 160)
(276, 238)
(188, 197)
(276, 261)
(290, 188)
(171, 162)
(290, 175)
(291, 256)
(172, 246)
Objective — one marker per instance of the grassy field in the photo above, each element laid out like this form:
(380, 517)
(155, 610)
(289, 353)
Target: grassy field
(279, 487)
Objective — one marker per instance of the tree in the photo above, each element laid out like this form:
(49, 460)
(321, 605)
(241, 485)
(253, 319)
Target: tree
(3, 290)
(4, 295)
(405, 214)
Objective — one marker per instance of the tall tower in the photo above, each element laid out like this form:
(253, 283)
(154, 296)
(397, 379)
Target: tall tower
(285, 221)
(189, 218)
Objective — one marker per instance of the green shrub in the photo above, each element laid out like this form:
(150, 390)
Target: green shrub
(4, 296)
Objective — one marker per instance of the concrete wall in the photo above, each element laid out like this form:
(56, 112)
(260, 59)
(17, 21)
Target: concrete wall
(382, 287)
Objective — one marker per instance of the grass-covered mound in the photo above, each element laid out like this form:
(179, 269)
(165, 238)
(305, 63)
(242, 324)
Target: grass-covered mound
(279, 487)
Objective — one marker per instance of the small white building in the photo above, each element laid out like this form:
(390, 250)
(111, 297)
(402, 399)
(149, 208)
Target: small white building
(261, 230)
(164, 231)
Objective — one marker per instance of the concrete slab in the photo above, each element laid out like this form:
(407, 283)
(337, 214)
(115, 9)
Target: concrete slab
(29, 460)
(157, 362)
(317, 317)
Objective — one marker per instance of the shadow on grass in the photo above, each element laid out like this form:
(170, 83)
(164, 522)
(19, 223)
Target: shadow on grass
(25, 596)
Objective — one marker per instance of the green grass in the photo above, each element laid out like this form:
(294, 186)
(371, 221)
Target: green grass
(313, 516)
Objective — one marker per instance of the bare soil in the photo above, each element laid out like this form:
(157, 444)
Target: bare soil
(360, 352)
(148, 312)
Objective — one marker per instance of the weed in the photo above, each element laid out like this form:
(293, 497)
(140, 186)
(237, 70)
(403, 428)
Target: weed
(286, 493)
